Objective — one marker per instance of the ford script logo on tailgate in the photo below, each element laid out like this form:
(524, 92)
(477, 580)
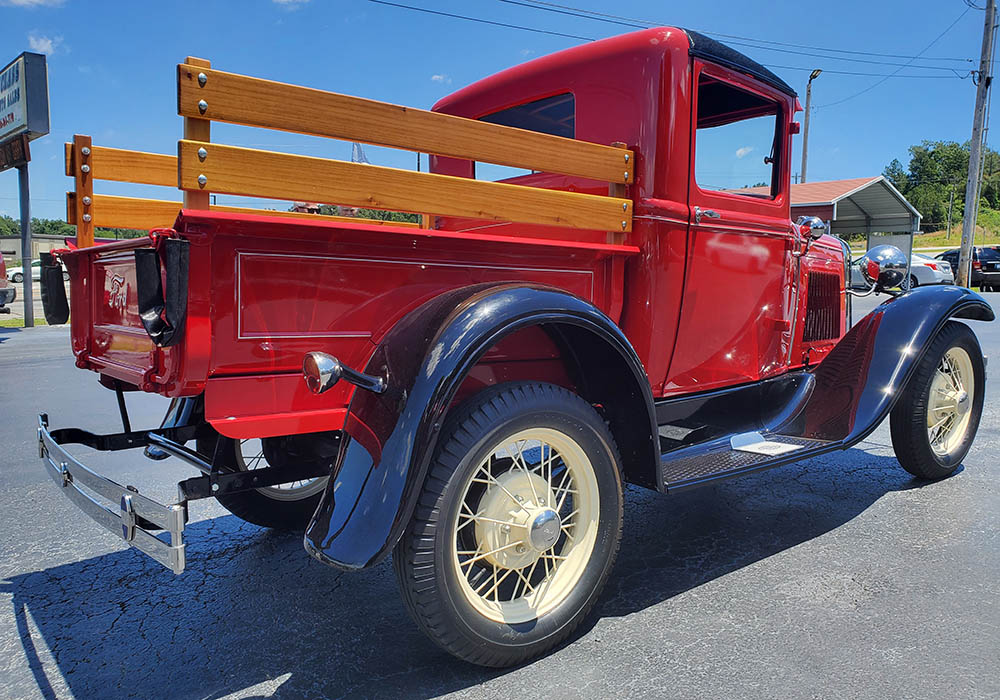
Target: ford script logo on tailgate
(117, 292)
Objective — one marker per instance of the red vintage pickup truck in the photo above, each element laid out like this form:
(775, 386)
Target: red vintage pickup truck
(471, 393)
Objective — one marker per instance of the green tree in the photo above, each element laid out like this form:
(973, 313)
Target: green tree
(9, 228)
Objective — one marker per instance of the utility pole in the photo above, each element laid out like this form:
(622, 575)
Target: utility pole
(805, 127)
(951, 202)
(975, 150)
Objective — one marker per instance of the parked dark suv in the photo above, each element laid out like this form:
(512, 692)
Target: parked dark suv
(985, 267)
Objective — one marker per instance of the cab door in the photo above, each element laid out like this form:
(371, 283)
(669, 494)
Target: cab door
(736, 312)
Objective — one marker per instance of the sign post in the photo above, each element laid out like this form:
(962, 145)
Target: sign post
(24, 116)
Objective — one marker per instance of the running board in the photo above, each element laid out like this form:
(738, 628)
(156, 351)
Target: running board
(740, 454)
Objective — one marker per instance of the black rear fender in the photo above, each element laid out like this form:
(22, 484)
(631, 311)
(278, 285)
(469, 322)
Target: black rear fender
(391, 436)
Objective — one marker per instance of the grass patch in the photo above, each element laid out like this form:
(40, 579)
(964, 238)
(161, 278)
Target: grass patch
(19, 322)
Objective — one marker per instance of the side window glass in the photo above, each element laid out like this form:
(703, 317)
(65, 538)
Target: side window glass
(737, 140)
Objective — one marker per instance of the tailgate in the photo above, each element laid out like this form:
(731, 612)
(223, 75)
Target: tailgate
(108, 335)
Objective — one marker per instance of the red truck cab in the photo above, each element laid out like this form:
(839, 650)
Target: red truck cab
(471, 393)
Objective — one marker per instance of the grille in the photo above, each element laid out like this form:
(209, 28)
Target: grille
(822, 307)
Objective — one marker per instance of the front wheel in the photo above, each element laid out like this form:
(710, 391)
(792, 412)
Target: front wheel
(17, 278)
(517, 526)
(935, 420)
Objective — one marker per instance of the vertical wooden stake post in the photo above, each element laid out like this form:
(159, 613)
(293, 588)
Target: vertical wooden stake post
(84, 183)
(197, 130)
(617, 189)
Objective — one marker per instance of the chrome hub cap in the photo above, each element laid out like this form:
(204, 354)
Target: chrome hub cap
(949, 403)
(527, 526)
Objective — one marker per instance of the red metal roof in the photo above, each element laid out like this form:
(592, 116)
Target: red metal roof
(821, 192)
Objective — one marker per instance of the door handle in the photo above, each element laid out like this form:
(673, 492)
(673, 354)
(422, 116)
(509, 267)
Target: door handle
(699, 213)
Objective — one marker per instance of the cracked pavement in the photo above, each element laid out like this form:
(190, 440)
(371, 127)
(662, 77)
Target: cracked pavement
(837, 577)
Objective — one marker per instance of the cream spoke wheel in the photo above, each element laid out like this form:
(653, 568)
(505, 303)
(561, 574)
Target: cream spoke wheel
(533, 506)
(949, 401)
(250, 455)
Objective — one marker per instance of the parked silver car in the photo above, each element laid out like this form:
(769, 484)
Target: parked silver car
(926, 270)
(923, 270)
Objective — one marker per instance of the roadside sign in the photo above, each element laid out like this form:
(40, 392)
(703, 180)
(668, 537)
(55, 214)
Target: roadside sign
(14, 153)
(24, 97)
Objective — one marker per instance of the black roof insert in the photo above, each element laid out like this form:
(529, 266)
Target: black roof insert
(717, 52)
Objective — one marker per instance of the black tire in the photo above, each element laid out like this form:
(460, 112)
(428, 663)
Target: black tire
(913, 282)
(908, 420)
(427, 575)
(17, 278)
(258, 506)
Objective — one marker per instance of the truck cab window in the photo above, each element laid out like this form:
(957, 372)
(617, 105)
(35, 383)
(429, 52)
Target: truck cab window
(555, 115)
(736, 142)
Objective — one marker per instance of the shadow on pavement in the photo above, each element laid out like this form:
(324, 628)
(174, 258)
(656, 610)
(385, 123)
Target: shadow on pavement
(253, 606)
(6, 333)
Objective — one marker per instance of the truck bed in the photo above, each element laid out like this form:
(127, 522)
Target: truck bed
(263, 291)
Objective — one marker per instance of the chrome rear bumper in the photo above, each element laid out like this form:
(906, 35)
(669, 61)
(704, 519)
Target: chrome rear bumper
(120, 509)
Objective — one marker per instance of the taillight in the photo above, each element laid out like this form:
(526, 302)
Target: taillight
(932, 266)
(976, 265)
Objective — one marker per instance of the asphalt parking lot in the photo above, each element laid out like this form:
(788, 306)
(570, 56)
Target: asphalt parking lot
(840, 577)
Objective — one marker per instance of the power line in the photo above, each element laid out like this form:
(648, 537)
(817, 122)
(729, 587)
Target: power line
(536, 30)
(482, 21)
(641, 23)
(879, 82)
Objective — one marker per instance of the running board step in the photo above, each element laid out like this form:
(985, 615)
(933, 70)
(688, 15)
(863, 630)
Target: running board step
(741, 454)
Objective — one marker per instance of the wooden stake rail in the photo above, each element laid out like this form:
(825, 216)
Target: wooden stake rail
(204, 95)
(122, 165)
(247, 171)
(202, 167)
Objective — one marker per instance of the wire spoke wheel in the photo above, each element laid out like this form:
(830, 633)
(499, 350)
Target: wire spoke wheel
(949, 402)
(517, 526)
(526, 526)
(250, 455)
(936, 418)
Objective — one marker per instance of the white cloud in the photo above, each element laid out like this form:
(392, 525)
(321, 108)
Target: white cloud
(44, 44)
(441, 78)
(744, 151)
(32, 3)
(527, 52)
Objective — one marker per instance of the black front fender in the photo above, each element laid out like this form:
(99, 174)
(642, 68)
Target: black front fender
(861, 379)
(391, 436)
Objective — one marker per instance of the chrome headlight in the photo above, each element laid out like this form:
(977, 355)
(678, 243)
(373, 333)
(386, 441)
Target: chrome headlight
(884, 265)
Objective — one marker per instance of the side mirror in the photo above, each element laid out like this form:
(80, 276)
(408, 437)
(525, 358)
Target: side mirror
(884, 266)
(811, 227)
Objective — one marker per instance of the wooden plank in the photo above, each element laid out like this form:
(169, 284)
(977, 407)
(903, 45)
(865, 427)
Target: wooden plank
(84, 187)
(111, 211)
(123, 165)
(246, 171)
(251, 101)
(133, 212)
(196, 128)
(68, 157)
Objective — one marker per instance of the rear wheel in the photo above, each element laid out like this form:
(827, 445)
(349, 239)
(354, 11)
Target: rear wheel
(283, 507)
(913, 282)
(17, 278)
(936, 419)
(517, 526)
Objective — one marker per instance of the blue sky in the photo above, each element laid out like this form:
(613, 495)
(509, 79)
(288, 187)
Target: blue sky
(111, 67)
